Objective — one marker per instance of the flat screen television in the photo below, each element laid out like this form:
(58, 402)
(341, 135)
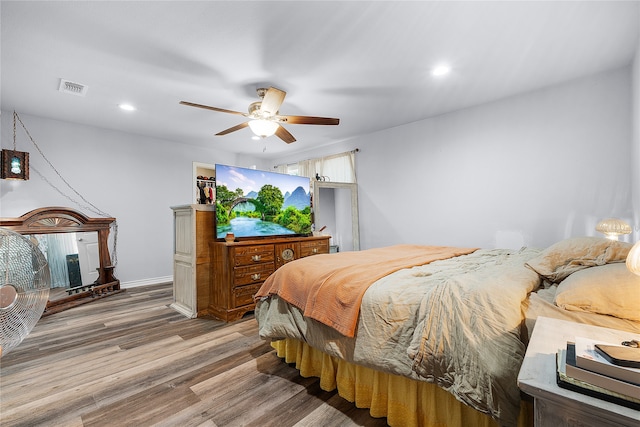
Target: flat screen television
(255, 203)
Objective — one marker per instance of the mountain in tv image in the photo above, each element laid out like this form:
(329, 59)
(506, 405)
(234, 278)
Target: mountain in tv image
(253, 203)
(299, 199)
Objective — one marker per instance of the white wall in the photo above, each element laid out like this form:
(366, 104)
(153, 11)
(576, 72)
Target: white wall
(635, 166)
(537, 165)
(132, 178)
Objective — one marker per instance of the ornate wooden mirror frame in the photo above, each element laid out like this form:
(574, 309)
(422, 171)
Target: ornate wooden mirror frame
(66, 220)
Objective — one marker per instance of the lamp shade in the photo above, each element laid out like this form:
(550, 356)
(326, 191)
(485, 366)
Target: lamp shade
(613, 227)
(263, 128)
(633, 259)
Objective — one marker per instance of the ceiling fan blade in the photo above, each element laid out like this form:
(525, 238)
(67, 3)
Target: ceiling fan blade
(206, 107)
(233, 129)
(272, 101)
(309, 120)
(284, 135)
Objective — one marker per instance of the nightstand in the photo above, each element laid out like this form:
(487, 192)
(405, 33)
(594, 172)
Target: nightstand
(555, 406)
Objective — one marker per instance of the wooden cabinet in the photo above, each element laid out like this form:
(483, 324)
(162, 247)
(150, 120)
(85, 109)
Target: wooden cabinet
(240, 268)
(194, 228)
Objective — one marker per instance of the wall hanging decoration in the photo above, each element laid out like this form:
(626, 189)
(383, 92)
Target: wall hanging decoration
(15, 164)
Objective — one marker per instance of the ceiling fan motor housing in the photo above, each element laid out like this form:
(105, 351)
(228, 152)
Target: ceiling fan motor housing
(254, 109)
(262, 91)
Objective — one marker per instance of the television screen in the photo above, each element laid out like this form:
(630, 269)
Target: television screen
(255, 203)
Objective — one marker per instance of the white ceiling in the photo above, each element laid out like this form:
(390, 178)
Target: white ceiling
(367, 63)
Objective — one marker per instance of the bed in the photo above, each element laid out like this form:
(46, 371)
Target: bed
(432, 335)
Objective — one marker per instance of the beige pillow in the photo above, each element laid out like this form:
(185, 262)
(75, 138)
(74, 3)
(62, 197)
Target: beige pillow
(609, 289)
(568, 256)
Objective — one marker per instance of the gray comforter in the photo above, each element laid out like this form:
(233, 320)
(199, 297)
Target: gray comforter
(454, 322)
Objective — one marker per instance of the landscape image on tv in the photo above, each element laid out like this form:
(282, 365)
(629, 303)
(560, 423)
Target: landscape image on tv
(255, 203)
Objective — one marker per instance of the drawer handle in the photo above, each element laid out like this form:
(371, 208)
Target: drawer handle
(315, 250)
(256, 258)
(255, 276)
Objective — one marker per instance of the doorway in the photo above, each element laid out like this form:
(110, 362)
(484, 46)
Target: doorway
(335, 206)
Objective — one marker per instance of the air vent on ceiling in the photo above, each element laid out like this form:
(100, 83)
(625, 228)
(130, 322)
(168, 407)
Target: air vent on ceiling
(73, 88)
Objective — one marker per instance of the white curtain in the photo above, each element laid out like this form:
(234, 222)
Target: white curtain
(304, 170)
(57, 247)
(337, 168)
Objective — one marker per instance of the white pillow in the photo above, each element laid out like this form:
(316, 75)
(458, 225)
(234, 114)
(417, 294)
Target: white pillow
(609, 289)
(570, 255)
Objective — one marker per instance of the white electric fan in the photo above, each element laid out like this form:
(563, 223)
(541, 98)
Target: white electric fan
(24, 288)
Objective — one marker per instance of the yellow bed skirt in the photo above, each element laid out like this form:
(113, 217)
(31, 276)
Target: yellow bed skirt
(405, 402)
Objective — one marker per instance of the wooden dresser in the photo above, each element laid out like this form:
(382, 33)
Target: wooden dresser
(240, 268)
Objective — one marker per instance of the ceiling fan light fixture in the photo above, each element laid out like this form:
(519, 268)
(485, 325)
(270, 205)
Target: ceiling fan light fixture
(264, 118)
(263, 128)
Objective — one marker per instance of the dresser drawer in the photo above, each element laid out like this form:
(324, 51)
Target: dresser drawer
(314, 247)
(248, 255)
(251, 274)
(244, 295)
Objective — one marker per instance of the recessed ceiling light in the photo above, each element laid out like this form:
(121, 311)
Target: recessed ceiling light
(441, 70)
(127, 107)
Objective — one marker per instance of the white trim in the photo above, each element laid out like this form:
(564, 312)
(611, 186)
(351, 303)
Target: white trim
(185, 311)
(147, 282)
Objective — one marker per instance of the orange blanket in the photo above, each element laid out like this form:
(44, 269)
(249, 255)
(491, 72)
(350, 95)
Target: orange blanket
(329, 287)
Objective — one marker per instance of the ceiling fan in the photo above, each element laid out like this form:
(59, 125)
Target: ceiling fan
(264, 118)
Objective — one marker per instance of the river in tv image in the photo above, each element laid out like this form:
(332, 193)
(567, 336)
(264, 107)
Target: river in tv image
(243, 227)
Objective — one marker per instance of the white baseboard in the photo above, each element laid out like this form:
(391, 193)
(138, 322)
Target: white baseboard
(147, 282)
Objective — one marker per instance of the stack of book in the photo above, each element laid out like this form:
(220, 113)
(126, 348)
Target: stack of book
(581, 368)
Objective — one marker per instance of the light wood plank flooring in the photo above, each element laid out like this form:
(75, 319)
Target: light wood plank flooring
(130, 360)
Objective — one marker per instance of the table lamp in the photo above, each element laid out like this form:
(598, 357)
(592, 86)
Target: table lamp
(613, 227)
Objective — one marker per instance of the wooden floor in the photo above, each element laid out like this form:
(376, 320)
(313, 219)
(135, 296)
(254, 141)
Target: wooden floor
(130, 360)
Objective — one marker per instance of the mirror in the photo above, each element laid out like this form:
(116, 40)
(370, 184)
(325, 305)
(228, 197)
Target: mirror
(335, 206)
(72, 240)
(73, 261)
